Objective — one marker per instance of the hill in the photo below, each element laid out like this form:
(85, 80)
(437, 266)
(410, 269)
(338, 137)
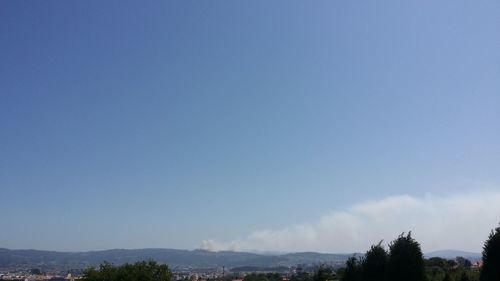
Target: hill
(452, 254)
(11, 259)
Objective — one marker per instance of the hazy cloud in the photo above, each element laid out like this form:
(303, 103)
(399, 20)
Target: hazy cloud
(460, 221)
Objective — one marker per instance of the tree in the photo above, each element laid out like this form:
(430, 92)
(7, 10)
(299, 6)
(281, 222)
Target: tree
(406, 261)
(352, 270)
(463, 262)
(301, 276)
(255, 277)
(491, 257)
(452, 264)
(464, 277)
(447, 277)
(140, 271)
(434, 273)
(272, 277)
(323, 274)
(374, 265)
(437, 262)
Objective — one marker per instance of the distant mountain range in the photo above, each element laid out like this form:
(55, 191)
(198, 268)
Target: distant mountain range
(47, 260)
(10, 259)
(451, 254)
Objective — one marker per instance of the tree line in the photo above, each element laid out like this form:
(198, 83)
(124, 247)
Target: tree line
(402, 261)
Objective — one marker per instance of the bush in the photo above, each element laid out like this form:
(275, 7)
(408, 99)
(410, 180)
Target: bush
(406, 261)
(140, 271)
(491, 257)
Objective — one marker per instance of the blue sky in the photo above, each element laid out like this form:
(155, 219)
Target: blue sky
(127, 124)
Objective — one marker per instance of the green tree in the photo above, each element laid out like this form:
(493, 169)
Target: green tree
(352, 270)
(256, 277)
(140, 271)
(272, 277)
(464, 277)
(463, 262)
(447, 277)
(301, 276)
(374, 265)
(452, 264)
(434, 273)
(323, 274)
(491, 257)
(438, 262)
(406, 261)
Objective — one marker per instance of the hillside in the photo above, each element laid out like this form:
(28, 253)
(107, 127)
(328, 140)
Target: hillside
(175, 258)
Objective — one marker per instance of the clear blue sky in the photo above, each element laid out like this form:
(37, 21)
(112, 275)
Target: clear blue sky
(162, 123)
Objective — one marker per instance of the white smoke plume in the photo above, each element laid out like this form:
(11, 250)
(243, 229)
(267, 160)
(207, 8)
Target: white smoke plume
(461, 221)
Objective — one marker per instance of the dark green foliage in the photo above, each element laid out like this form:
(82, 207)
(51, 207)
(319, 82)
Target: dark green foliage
(464, 277)
(452, 263)
(463, 262)
(447, 277)
(302, 276)
(374, 265)
(438, 262)
(352, 270)
(229, 277)
(323, 274)
(255, 277)
(491, 257)
(434, 273)
(140, 271)
(406, 261)
(274, 277)
(436, 269)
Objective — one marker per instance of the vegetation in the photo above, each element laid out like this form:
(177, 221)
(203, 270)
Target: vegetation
(352, 270)
(491, 257)
(301, 276)
(140, 271)
(463, 263)
(374, 265)
(323, 274)
(464, 277)
(402, 261)
(457, 270)
(406, 261)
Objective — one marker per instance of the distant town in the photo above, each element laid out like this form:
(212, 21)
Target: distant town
(30, 265)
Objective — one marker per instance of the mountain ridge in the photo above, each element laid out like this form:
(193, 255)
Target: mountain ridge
(180, 258)
(198, 258)
(451, 253)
